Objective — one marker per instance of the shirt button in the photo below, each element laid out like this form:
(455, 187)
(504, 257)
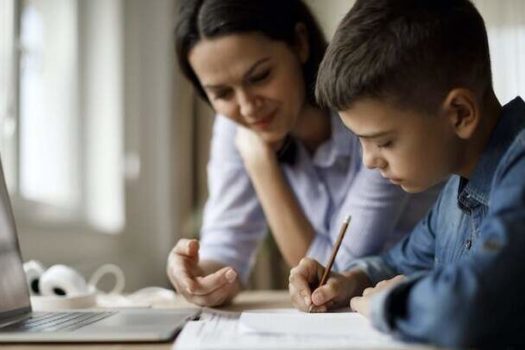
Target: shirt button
(468, 244)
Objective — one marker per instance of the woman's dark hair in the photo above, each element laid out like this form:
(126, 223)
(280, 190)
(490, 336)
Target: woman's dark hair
(276, 19)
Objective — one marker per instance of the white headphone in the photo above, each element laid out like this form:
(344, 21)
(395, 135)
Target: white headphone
(62, 287)
(64, 281)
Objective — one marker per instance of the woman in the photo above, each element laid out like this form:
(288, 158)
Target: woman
(277, 161)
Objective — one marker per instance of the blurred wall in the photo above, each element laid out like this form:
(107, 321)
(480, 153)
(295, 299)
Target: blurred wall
(329, 13)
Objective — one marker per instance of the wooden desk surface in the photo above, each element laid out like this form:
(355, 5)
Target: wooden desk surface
(244, 301)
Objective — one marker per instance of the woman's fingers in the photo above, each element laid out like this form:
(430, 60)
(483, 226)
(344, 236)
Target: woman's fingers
(186, 276)
(186, 247)
(208, 284)
(182, 260)
(216, 288)
(218, 296)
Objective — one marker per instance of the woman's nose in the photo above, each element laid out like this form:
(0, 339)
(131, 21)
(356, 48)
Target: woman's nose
(249, 104)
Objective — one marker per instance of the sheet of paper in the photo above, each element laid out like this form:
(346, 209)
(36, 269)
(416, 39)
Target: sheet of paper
(223, 330)
(291, 321)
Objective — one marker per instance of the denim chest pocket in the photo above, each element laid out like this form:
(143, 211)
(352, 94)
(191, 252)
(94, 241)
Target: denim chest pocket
(454, 239)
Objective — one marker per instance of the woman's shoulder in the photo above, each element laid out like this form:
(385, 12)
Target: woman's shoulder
(345, 141)
(223, 139)
(224, 127)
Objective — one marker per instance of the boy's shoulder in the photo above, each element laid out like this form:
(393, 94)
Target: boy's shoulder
(513, 120)
(512, 161)
(513, 158)
(502, 161)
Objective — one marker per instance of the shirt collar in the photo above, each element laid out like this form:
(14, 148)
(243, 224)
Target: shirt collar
(338, 145)
(476, 190)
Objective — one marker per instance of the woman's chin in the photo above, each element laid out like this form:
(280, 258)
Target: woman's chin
(272, 137)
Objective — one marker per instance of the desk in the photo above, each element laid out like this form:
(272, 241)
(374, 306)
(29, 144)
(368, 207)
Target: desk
(244, 301)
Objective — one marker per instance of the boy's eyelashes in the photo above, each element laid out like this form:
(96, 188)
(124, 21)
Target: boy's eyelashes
(378, 144)
(386, 144)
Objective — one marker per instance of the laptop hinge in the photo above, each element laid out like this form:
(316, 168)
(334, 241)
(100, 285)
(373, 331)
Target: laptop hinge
(14, 319)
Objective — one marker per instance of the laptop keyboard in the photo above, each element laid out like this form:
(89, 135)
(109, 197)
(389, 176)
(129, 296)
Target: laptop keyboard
(56, 321)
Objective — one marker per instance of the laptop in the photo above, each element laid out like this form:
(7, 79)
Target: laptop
(19, 324)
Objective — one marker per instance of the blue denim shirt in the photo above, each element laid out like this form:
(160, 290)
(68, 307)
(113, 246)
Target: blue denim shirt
(465, 261)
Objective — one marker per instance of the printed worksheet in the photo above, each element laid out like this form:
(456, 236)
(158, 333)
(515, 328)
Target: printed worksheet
(282, 329)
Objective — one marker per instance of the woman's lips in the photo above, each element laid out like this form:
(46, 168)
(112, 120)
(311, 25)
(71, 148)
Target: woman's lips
(264, 122)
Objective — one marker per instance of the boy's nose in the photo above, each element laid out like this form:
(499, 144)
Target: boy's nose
(372, 161)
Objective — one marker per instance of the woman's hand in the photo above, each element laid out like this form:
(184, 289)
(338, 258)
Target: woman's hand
(255, 152)
(362, 304)
(197, 286)
(305, 277)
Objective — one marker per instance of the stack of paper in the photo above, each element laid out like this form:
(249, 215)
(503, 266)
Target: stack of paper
(283, 329)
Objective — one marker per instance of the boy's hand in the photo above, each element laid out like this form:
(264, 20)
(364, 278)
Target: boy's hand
(190, 280)
(335, 293)
(362, 304)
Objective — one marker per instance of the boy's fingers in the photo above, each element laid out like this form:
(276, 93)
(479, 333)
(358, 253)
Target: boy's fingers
(215, 281)
(318, 296)
(314, 268)
(355, 303)
(301, 277)
(300, 281)
(305, 273)
(381, 283)
(360, 304)
(301, 287)
(308, 268)
(367, 291)
(329, 293)
(300, 299)
(319, 309)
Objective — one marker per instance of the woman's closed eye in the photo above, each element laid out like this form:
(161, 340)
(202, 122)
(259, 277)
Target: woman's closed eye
(222, 94)
(259, 77)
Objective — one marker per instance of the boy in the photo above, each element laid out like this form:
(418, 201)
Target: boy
(412, 79)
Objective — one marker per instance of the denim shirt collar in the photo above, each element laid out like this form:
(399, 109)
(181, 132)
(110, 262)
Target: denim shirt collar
(475, 192)
(338, 145)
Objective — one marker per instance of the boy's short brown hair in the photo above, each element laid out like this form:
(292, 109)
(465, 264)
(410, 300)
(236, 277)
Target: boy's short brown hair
(407, 52)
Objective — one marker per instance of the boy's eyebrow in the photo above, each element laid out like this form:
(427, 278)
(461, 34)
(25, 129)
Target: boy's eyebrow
(375, 135)
(248, 72)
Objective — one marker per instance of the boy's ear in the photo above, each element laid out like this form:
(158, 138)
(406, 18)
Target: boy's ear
(302, 45)
(462, 110)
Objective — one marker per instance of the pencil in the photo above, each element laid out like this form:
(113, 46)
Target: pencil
(334, 253)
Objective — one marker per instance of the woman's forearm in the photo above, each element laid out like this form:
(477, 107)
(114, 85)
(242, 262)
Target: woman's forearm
(291, 229)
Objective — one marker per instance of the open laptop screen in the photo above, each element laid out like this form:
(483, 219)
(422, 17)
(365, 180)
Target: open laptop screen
(14, 296)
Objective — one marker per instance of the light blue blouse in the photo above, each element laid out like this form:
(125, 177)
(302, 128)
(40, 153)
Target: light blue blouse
(329, 185)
